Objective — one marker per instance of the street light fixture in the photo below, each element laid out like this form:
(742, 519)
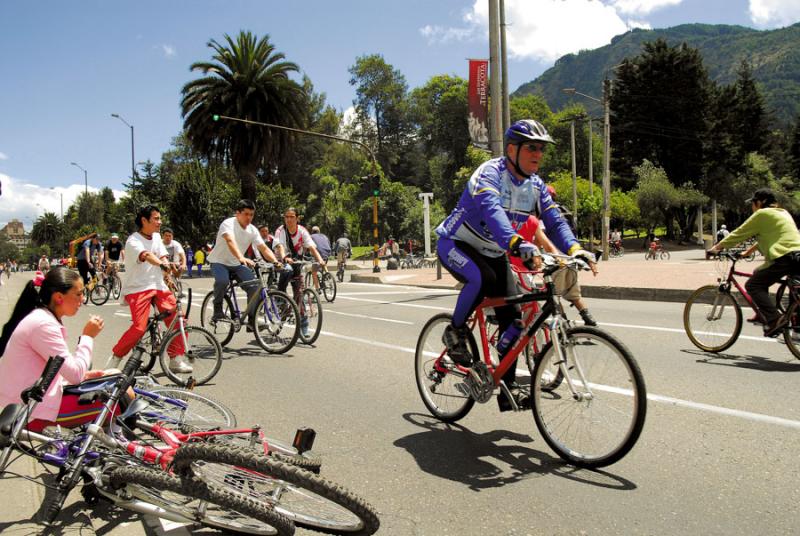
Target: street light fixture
(605, 101)
(85, 177)
(133, 166)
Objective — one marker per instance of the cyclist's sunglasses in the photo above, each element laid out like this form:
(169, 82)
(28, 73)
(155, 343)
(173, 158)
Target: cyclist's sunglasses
(534, 147)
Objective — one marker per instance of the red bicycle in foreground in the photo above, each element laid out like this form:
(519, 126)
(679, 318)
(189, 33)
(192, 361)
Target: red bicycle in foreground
(588, 395)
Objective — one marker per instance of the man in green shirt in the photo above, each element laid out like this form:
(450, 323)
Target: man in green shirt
(779, 242)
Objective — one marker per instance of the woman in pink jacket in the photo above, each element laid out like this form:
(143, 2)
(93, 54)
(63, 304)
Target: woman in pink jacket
(34, 333)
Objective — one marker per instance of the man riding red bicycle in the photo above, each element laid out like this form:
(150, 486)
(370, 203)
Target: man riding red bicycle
(778, 241)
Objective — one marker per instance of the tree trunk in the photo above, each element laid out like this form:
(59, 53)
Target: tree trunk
(247, 176)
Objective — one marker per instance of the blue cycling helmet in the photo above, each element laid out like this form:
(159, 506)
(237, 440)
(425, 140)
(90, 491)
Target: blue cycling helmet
(522, 131)
(526, 130)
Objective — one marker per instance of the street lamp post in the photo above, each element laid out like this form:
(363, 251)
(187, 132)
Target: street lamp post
(85, 177)
(605, 101)
(133, 165)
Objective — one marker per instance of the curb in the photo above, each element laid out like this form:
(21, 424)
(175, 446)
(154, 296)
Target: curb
(588, 291)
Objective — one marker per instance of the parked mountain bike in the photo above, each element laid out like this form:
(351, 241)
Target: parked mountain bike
(195, 346)
(95, 291)
(274, 322)
(712, 316)
(131, 475)
(591, 417)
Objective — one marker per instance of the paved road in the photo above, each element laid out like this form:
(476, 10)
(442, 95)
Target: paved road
(717, 456)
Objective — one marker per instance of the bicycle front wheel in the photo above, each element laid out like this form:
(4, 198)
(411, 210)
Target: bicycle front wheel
(276, 323)
(305, 498)
(438, 378)
(194, 500)
(185, 411)
(116, 286)
(222, 330)
(310, 316)
(328, 285)
(712, 319)
(594, 417)
(197, 357)
(664, 256)
(99, 294)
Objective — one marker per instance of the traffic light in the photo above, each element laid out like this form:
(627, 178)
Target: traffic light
(376, 186)
(215, 117)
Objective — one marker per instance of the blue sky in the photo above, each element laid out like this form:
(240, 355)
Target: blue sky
(68, 65)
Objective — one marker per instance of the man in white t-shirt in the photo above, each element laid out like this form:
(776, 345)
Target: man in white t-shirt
(291, 241)
(175, 253)
(235, 235)
(145, 260)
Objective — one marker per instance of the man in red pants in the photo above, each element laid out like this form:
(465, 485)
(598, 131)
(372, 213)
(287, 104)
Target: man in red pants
(145, 259)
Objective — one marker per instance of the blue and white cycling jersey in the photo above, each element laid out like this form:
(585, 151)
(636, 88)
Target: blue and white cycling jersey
(495, 203)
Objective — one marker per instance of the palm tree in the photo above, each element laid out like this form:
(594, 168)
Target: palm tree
(248, 79)
(48, 229)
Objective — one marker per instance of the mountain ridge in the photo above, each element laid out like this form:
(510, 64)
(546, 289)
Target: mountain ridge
(774, 56)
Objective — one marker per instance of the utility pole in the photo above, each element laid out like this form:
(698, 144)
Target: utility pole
(606, 166)
(574, 174)
(591, 179)
(426, 217)
(504, 67)
(495, 90)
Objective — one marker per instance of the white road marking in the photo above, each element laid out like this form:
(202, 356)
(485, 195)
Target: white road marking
(383, 302)
(675, 330)
(382, 293)
(369, 317)
(747, 415)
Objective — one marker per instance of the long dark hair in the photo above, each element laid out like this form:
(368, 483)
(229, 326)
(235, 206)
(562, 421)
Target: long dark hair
(58, 279)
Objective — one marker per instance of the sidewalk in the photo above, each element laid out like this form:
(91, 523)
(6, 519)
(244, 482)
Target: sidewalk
(630, 277)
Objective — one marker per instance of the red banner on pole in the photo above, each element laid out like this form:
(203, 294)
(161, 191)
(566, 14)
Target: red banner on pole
(478, 102)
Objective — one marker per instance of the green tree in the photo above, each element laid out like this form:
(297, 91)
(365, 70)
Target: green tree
(750, 120)
(660, 105)
(247, 79)
(794, 152)
(7, 249)
(48, 230)
(381, 107)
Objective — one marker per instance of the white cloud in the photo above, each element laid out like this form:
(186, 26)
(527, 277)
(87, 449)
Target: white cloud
(440, 34)
(639, 24)
(169, 51)
(3, 156)
(554, 28)
(774, 13)
(642, 7)
(26, 202)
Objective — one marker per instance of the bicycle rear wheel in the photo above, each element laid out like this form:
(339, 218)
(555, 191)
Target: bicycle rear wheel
(602, 421)
(712, 319)
(200, 351)
(283, 452)
(791, 334)
(195, 500)
(99, 294)
(438, 378)
(328, 286)
(305, 498)
(223, 330)
(185, 411)
(277, 325)
(310, 316)
(782, 297)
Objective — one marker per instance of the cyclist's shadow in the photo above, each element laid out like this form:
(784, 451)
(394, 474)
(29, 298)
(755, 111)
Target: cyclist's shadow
(747, 361)
(451, 451)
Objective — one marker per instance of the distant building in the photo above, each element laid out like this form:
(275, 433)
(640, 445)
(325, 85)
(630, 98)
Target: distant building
(15, 232)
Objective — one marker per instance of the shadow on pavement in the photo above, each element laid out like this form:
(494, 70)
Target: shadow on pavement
(753, 362)
(451, 451)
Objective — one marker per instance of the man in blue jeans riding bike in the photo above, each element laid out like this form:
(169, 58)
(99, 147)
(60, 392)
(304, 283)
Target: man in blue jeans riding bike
(474, 238)
(227, 259)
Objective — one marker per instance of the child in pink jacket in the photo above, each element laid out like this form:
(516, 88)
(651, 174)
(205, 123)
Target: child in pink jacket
(35, 332)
